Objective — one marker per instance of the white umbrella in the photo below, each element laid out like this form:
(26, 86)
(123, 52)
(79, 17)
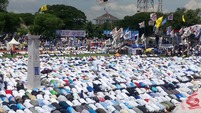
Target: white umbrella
(191, 105)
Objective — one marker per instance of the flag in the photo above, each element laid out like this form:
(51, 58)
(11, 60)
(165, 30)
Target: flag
(151, 23)
(136, 38)
(127, 30)
(168, 30)
(153, 17)
(119, 33)
(6, 36)
(142, 24)
(164, 21)
(143, 38)
(172, 34)
(117, 36)
(183, 19)
(159, 22)
(198, 33)
(127, 34)
(191, 104)
(114, 31)
(102, 1)
(170, 17)
(134, 35)
(106, 32)
(43, 8)
(181, 31)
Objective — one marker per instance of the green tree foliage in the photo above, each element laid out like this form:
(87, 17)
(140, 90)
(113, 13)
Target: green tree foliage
(46, 25)
(133, 23)
(12, 22)
(89, 29)
(26, 18)
(191, 16)
(72, 17)
(9, 22)
(2, 21)
(3, 5)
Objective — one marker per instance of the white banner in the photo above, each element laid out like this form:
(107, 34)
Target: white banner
(72, 33)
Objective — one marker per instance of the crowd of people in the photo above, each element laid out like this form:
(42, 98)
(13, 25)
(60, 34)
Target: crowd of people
(123, 84)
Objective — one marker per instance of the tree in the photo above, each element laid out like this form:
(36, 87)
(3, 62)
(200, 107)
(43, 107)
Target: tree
(12, 22)
(46, 25)
(26, 18)
(3, 5)
(2, 21)
(72, 17)
(133, 23)
(89, 29)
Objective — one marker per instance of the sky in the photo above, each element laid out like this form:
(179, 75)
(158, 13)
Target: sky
(92, 9)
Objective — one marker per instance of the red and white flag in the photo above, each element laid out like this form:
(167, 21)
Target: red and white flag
(170, 17)
(114, 31)
(119, 33)
(153, 17)
(191, 104)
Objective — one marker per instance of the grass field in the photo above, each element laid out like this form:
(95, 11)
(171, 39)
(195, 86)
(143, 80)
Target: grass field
(70, 55)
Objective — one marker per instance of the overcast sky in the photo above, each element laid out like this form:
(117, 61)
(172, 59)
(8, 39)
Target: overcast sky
(92, 9)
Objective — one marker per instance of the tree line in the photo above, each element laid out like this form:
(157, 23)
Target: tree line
(56, 17)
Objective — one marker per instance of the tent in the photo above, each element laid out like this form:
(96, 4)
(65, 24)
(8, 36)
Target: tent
(12, 44)
(191, 105)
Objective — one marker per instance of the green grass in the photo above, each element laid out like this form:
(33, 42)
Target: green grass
(87, 55)
(71, 55)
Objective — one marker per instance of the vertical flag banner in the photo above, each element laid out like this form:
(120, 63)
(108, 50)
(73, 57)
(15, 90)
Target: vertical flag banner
(164, 21)
(181, 31)
(127, 30)
(183, 19)
(168, 30)
(142, 24)
(114, 31)
(159, 22)
(153, 17)
(127, 35)
(120, 32)
(43, 8)
(170, 17)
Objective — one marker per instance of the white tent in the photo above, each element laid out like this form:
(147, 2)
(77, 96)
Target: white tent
(12, 44)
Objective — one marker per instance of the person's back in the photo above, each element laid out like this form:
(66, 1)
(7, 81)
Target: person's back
(20, 85)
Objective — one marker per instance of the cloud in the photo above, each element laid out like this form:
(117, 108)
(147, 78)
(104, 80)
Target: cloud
(193, 4)
(24, 6)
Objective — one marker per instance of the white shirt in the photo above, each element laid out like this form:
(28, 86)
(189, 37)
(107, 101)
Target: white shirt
(28, 105)
(93, 106)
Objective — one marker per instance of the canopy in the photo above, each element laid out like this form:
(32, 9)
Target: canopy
(191, 105)
(13, 41)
